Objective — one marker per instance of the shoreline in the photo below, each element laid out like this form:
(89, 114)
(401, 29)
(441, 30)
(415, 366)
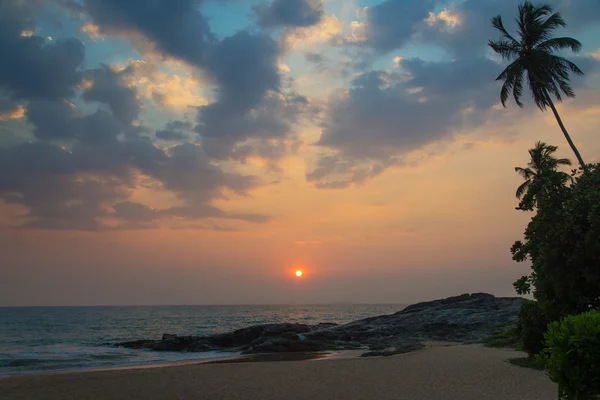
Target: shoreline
(232, 359)
(453, 372)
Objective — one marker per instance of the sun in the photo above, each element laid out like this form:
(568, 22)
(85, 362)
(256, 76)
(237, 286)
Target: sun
(299, 273)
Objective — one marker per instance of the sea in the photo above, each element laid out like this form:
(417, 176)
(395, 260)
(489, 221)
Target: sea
(43, 339)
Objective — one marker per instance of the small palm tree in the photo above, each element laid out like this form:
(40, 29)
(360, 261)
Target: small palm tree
(542, 162)
(532, 55)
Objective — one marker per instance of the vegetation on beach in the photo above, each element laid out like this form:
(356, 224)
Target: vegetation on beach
(560, 328)
(572, 356)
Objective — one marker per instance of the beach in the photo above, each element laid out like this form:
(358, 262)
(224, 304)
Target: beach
(460, 372)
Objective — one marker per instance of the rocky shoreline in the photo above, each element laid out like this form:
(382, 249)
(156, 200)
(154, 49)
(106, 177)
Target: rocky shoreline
(467, 318)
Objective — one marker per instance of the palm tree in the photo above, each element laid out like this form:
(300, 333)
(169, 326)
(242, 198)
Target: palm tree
(532, 55)
(541, 163)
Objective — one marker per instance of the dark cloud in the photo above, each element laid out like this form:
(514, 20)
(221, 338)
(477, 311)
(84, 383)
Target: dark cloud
(245, 67)
(319, 60)
(292, 13)
(41, 178)
(249, 103)
(109, 87)
(338, 172)
(58, 120)
(175, 130)
(391, 24)
(386, 115)
(177, 28)
(137, 212)
(77, 188)
(316, 58)
(7, 106)
(36, 67)
(390, 113)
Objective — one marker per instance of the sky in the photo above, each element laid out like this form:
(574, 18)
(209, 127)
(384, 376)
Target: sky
(200, 151)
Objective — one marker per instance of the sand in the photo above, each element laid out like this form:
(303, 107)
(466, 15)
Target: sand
(469, 372)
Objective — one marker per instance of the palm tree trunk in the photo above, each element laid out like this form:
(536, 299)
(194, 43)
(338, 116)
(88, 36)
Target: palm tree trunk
(564, 130)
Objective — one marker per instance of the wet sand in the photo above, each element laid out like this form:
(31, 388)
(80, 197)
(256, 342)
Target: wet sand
(469, 372)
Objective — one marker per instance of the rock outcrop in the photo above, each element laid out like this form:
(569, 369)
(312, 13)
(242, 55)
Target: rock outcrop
(465, 318)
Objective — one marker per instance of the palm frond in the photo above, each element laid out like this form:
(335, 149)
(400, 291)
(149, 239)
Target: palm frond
(498, 24)
(563, 161)
(526, 173)
(513, 81)
(538, 89)
(553, 22)
(505, 48)
(560, 43)
(518, 90)
(523, 188)
(571, 65)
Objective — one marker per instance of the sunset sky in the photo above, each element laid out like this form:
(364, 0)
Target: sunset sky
(201, 151)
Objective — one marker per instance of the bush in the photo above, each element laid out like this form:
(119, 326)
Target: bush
(532, 324)
(561, 241)
(572, 356)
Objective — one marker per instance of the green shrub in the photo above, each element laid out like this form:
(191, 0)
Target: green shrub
(532, 324)
(507, 338)
(572, 356)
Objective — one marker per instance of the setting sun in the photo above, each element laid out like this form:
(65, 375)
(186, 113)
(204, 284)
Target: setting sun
(299, 273)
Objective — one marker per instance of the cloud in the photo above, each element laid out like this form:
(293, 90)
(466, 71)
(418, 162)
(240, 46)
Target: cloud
(251, 105)
(175, 130)
(37, 68)
(390, 25)
(293, 13)
(86, 186)
(109, 87)
(136, 212)
(326, 30)
(177, 29)
(244, 69)
(92, 31)
(81, 170)
(387, 115)
(169, 84)
(10, 110)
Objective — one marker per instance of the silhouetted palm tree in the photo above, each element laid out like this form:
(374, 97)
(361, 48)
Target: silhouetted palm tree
(547, 74)
(541, 162)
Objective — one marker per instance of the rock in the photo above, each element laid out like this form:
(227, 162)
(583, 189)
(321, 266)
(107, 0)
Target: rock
(280, 345)
(138, 344)
(325, 325)
(465, 318)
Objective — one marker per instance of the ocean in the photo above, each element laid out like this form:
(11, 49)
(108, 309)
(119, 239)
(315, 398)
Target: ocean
(37, 339)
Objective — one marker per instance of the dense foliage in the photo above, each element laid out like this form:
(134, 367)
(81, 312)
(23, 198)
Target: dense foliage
(562, 241)
(572, 356)
(532, 325)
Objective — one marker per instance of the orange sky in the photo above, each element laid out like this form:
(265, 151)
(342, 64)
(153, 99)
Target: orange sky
(439, 224)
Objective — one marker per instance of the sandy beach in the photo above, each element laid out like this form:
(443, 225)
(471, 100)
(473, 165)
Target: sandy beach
(466, 372)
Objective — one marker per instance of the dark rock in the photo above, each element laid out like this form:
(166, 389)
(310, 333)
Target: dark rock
(465, 318)
(280, 345)
(324, 325)
(138, 344)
